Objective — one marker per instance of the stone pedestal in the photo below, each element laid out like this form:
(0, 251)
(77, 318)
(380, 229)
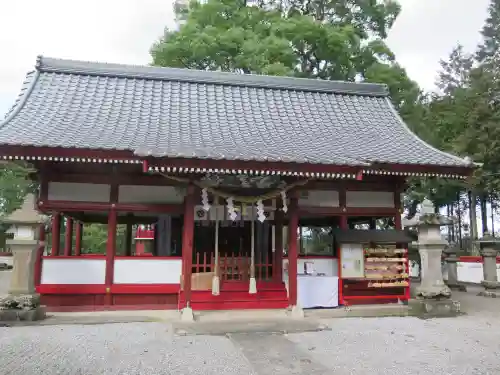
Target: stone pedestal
(488, 249)
(433, 295)
(23, 303)
(451, 261)
(23, 261)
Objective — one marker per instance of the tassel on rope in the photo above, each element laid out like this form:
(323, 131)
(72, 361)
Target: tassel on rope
(216, 278)
(253, 283)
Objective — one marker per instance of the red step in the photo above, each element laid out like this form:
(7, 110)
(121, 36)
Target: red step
(239, 305)
(238, 299)
(243, 286)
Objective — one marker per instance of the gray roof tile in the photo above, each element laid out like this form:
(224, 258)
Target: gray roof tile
(194, 114)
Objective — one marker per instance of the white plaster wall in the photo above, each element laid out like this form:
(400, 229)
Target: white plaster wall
(369, 199)
(467, 272)
(328, 266)
(77, 192)
(73, 271)
(147, 271)
(150, 194)
(319, 198)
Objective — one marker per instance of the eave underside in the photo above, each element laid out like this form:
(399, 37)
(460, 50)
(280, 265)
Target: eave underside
(126, 160)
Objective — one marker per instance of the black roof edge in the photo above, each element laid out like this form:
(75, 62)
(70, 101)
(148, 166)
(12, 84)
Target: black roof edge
(52, 65)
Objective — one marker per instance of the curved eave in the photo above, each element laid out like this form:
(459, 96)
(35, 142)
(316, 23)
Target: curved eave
(454, 160)
(186, 165)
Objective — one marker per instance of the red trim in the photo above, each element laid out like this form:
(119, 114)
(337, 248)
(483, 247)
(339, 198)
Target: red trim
(71, 289)
(387, 296)
(71, 206)
(145, 288)
(474, 259)
(87, 308)
(5, 254)
(147, 256)
(83, 256)
(114, 289)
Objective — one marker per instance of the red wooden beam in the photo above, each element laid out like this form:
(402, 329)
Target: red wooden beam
(187, 243)
(39, 255)
(120, 179)
(348, 211)
(111, 244)
(68, 241)
(56, 234)
(78, 238)
(278, 245)
(71, 206)
(293, 225)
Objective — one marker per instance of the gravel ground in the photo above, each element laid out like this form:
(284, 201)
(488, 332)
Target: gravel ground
(370, 346)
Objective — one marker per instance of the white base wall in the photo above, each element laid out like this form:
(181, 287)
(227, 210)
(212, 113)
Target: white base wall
(65, 271)
(467, 272)
(147, 271)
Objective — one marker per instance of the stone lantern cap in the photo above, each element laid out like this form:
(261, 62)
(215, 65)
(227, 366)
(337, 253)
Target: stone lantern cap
(427, 217)
(488, 244)
(26, 214)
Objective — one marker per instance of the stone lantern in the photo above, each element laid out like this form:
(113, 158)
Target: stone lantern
(22, 302)
(433, 295)
(488, 248)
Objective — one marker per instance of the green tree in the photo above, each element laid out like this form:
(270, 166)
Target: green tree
(338, 40)
(490, 32)
(14, 185)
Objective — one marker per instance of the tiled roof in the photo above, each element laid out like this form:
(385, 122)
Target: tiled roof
(198, 114)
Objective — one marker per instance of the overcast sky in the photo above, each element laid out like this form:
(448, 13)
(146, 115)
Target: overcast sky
(122, 31)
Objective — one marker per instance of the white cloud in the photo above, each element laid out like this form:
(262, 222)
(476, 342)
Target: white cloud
(122, 31)
(427, 30)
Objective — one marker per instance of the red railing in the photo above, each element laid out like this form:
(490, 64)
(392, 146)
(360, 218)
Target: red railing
(234, 267)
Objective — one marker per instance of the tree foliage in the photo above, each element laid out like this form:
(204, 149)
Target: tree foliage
(14, 185)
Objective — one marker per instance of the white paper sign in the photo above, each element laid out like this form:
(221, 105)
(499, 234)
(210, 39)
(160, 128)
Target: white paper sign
(352, 261)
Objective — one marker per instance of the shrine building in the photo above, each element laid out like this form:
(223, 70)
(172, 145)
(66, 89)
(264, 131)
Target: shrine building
(245, 191)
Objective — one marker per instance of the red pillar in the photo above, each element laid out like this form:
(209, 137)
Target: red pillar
(68, 241)
(39, 255)
(128, 240)
(78, 238)
(56, 234)
(344, 225)
(110, 254)
(187, 243)
(397, 204)
(293, 225)
(278, 246)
